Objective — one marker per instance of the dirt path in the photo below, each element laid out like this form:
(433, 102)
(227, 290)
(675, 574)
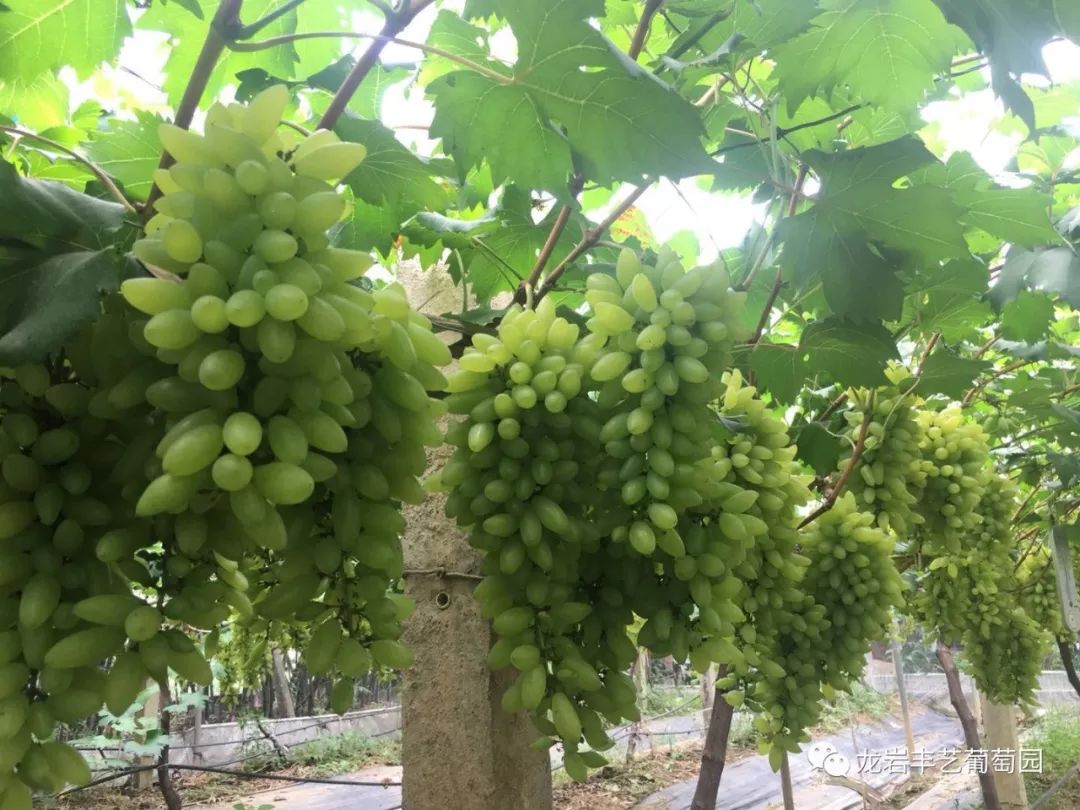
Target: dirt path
(750, 784)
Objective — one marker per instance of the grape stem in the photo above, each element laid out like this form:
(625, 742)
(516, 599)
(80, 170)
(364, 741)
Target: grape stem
(226, 18)
(934, 338)
(557, 228)
(592, 236)
(641, 35)
(384, 38)
(841, 482)
(394, 24)
(97, 171)
(249, 30)
(778, 280)
(970, 396)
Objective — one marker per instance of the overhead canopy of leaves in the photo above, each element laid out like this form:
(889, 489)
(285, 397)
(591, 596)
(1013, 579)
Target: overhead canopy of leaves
(554, 113)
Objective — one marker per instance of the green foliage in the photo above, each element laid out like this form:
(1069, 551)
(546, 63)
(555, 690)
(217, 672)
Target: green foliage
(862, 704)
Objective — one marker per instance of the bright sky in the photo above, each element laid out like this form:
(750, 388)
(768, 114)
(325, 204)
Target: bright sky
(716, 220)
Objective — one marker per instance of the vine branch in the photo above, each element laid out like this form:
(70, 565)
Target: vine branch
(934, 338)
(641, 35)
(782, 132)
(526, 287)
(591, 237)
(226, 18)
(97, 171)
(778, 280)
(970, 396)
(249, 30)
(285, 39)
(395, 23)
(841, 482)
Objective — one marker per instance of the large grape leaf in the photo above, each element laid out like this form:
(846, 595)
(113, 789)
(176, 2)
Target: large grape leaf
(1018, 215)
(1027, 317)
(945, 372)
(58, 249)
(886, 51)
(862, 228)
(129, 151)
(618, 120)
(39, 35)
(848, 353)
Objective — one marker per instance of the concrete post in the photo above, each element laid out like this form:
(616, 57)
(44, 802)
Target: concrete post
(1000, 724)
(460, 750)
(145, 779)
(901, 690)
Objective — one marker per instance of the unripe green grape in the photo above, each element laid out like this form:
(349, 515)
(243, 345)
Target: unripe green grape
(209, 315)
(232, 472)
(242, 433)
(252, 177)
(221, 370)
(182, 241)
(172, 329)
(245, 308)
(286, 302)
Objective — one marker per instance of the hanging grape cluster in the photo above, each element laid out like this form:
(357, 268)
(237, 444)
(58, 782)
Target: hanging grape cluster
(234, 437)
(689, 521)
(890, 476)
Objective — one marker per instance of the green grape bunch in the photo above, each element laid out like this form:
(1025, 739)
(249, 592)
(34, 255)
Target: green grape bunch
(889, 479)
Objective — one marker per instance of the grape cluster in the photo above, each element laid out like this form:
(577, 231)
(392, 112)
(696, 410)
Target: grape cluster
(972, 595)
(889, 480)
(954, 467)
(234, 436)
(1037, 589)
(297, 406)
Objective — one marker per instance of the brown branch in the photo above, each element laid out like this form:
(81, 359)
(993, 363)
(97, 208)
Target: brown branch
(96, 170)
(592, 236)
(394, 25)
(525, 288)
(778, 281)
(974, 392)
(165, 783)
(642, 32)
(841, 482)
(1065, 649)
(934, 338)
(967, 720)
(986, 346)
(249, 30)
(1033, 536)
(226, 19)
(1020, 509)
(832, 406)
(714, 752)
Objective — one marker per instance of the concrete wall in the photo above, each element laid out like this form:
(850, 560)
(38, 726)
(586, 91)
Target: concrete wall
(1054, 687)
(221, 743)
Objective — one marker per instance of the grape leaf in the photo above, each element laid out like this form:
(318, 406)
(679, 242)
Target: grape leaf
(618, 120)
(1027, 317)
(38, 103)
(45, 215)
(1051, 270)
(862, 228)
(129, 151)
(39, 35)
(45, 303)
(390, 172)
(818, 448)
(779, 369)
(57, 251)
(950, 299)
(1019, 215)
(945, 372)
(886, 51)
(849, 353)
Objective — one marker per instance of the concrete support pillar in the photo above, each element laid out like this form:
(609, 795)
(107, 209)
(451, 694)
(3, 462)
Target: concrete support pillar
(460, 750)
(999, 722)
